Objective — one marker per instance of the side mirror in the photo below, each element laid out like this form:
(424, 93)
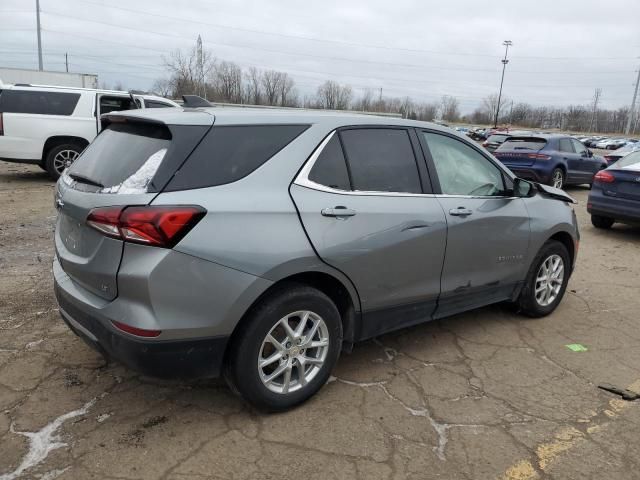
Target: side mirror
(522, 188)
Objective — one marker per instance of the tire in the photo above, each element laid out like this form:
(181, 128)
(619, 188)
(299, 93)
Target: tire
(60, 157)
(602, 222)
(264, 388)
(557, 178)
(529, 301)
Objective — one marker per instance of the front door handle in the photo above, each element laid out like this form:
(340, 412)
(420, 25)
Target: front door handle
(338, 212)
(460, 212)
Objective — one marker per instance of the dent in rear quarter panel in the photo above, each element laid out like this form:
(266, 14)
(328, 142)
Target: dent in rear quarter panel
(548, 217)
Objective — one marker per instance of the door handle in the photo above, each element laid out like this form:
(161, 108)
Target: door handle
(338, 212)
(460, 212)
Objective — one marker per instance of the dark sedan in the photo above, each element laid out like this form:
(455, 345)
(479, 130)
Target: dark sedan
(555, 160)
(615, 195)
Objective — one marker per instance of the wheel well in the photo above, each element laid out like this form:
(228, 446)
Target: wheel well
(567, 240)
(61, 140)
(327, 284)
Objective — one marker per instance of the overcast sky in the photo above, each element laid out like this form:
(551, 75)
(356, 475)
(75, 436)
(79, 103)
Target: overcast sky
(562, 49)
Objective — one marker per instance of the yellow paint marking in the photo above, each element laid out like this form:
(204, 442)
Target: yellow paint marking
(565, 440)
(522, 470)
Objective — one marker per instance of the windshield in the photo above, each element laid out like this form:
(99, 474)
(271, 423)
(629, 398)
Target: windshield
(523, 143)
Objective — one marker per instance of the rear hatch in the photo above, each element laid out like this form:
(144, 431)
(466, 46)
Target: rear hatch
(127, 164)
(521, 151)
(626, 178)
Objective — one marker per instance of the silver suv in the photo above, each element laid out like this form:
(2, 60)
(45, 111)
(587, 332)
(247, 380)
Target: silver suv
(259, 244)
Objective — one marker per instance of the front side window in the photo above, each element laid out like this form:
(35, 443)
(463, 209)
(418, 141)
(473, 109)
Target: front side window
(579, 147)
(461, 169)
(37, 102)
(330, 169)
(381, 160)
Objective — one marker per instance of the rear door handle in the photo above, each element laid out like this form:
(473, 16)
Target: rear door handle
(460, 212)
(338, 212)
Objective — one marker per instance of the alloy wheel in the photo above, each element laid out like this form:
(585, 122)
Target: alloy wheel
(557, 179)
(293, 352)
(549, 280)
(64, 159)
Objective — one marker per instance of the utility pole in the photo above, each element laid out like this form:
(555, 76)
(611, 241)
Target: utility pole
(66, 61)
(39, 35)
(202, 90)
(593, 124)
(632, 110)
(507, 44)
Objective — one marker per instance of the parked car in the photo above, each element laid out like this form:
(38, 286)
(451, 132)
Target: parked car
(591, 143)
(555, 160)
(613, 157)
(494, 141)
(611, 143)
(51, 126)
(257, 245)
(615, 195)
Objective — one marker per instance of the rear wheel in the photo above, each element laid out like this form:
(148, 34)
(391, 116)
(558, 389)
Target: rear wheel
(286, 350)
(602, 222)
(60, 157)
(557, 178)
(546, 281)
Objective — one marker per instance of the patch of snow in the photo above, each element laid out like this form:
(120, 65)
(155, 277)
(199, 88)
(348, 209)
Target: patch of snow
(34, 344)
(102, 417)
(53, 474)
(138, 182)
(45, 440)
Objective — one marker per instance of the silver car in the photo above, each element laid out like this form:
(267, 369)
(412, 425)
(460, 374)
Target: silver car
(260, 244)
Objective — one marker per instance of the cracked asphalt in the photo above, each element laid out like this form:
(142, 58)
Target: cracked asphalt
(487, 394)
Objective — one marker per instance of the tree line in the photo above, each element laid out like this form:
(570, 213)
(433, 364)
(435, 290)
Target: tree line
(226, 82)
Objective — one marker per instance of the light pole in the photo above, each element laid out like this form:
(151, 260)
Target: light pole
(507, 44)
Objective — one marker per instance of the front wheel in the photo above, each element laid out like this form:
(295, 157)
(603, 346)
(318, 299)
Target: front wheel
(546, 281)
(557, 178)
(602, 222)
(286, 350)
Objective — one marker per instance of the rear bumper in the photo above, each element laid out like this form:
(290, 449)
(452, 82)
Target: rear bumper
(193, 358)
(620, 209)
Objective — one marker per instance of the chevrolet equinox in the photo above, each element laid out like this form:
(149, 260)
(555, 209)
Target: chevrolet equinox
(259, 244)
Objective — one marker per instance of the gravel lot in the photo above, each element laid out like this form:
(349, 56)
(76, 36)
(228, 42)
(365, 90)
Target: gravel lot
(487, 394)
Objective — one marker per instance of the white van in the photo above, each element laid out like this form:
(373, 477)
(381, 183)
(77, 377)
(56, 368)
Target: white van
(51, 126)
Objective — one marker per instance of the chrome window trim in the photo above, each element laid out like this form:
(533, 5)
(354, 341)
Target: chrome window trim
(302, 180)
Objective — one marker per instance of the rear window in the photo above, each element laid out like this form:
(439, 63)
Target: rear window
(629, 162)
(229, 153)
(37, 102)
(523, 143)
(123, 158)
(497, 138)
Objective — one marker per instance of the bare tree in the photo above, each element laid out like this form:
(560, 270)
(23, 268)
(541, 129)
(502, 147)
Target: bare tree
(331, 95)
(183, 70)
(227, 82)
(162, 87)
(253, 86)
(271, 86)
(288, 96)
(449, 108)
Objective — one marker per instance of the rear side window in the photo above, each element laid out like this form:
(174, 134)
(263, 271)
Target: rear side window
(523, 143)
(37, 102)
(123, 158)
(564, 145)
(156, 104)
(381, 160)
(229, 153)
(330, 169)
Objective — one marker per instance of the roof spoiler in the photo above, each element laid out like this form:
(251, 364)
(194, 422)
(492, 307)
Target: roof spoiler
(194, 101)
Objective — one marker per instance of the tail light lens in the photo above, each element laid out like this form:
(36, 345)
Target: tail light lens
(539, 156)
(138, 332)
(604, 177)
(158, 226)
(484, 144)
(1, 125)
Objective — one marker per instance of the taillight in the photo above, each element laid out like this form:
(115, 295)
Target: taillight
(604, 177)
(484, 144)
(539, 156)
(158, 226)
(1, 125)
